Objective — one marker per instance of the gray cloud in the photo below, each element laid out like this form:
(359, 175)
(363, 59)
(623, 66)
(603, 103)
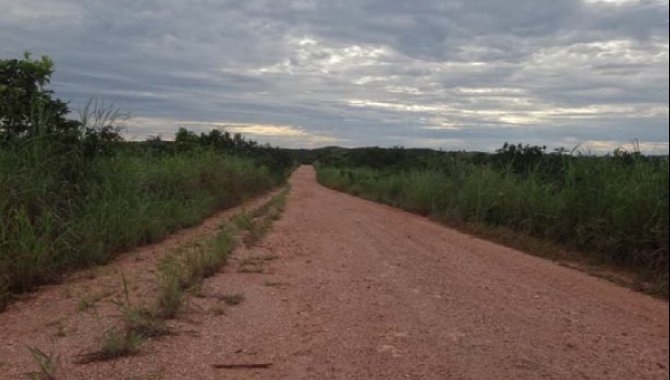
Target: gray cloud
(450, 74)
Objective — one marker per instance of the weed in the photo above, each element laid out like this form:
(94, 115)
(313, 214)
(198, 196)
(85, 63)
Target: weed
(90, 300)
(139, 320)
(170, 294)
(243, 220)
(258, 230)
(115, 343)
(258, 222)
(46, 362)
(144, 322)
(118, 342)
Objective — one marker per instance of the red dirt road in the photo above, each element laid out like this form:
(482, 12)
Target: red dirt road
(358, 290)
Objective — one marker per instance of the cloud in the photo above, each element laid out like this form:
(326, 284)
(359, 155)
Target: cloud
(454, 74)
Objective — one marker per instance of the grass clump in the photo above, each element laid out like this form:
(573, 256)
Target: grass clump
(47, 364)
(170, 292)
(115, 343)
(144, 322)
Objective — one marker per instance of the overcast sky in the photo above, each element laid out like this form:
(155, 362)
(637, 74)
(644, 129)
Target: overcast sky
(450, 74)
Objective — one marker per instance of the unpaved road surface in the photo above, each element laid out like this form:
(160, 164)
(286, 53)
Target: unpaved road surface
(357, 290)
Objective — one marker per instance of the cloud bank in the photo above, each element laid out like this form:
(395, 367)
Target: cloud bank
(455, 74)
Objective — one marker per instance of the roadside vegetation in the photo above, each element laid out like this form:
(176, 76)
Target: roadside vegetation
(187, 266)
(73, 192)
(613, 208)
(180, 272)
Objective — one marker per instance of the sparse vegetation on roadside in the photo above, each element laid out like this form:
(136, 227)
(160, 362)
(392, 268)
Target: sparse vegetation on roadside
(191, 263)
(139, 320)
(187, 266)
(259, 222)
(138, 324)
(179, 271)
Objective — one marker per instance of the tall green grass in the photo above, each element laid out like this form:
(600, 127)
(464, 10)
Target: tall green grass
(615, 211)
(59, 210)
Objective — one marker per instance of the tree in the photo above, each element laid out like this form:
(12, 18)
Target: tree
(521, 157)
(26, 107)
(186, 139)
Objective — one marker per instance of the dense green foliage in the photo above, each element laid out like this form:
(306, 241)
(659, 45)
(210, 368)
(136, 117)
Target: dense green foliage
(25, 106)
(72, 193)
(614, 207)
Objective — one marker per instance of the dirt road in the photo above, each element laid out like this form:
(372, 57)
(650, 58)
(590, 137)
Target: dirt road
(358, 290)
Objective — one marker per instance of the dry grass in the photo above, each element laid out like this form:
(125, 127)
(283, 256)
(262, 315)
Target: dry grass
(46, 363)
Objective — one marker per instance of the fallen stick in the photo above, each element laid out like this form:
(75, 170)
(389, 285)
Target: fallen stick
(241, 366)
